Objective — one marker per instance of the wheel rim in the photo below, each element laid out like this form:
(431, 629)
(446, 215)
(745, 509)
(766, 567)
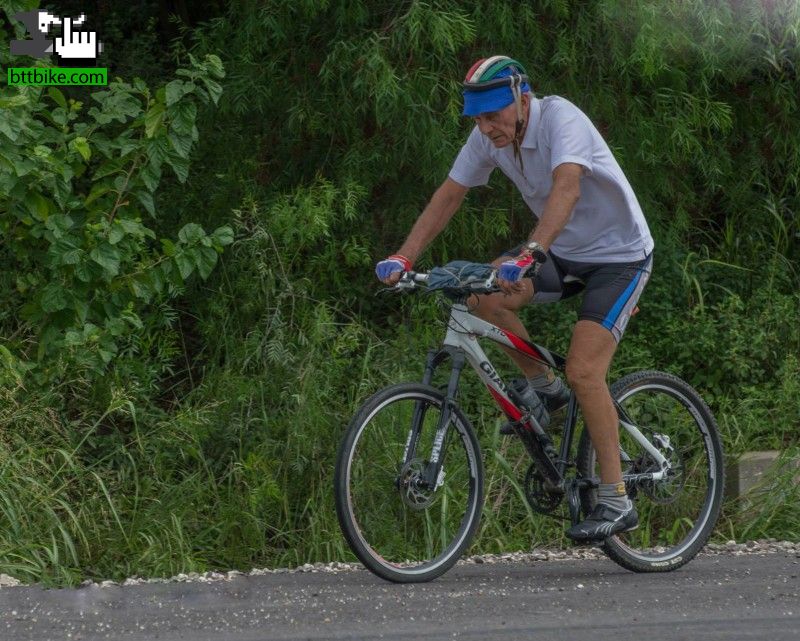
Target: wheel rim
(673, 512)
(410, 530)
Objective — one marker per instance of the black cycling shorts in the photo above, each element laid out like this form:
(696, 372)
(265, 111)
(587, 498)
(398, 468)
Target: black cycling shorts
(610, 290)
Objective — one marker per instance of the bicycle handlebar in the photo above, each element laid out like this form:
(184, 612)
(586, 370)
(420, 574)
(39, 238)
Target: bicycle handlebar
(412, 280)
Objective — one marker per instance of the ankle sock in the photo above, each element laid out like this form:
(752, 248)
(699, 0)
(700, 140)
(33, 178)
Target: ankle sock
(614, 496)
(541, 384)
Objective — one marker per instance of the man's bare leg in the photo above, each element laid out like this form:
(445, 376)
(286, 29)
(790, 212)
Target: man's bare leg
(502, 310)
(589, 358)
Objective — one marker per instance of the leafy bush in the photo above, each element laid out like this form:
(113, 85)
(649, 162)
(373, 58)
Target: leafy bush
(77, 186)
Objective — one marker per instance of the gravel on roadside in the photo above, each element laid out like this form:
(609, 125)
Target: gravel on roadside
(768, 546)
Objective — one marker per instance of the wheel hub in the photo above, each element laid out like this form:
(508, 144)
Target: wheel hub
(666, 490)
(414, 492)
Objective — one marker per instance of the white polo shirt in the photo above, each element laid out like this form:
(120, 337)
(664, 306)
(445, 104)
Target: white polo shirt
(607, 224)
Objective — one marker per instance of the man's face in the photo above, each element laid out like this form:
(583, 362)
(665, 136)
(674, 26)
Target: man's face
(500, 126)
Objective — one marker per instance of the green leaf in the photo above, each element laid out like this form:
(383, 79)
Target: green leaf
(177, 89)
(206, 259)
(116, 234)
(107, 257)
(180, 166)
(98, 189)
(214, 65)
(57, 96)
(115, 326)
(156, 280)
(23, 167)
(223, 235)
(168, 246)
(109, 167)
(151, 176)
(182, 144)
(81, 309)
(183, 116)
(140, 287)
(71, 257)
(146, 198)
(83, 272)
(54, 298)
(59, 224)
(154, 119)
(13, 101)
(191, 234)
(6, 127)
(185, 263)
(37, 205)
(81, 145)
(214, 89)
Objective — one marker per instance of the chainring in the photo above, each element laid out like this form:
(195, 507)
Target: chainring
(542, 499)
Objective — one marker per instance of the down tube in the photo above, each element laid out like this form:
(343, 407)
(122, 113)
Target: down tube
(477, 358)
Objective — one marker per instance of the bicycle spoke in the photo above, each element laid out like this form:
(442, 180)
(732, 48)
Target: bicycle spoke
(402, 523)
(678, 511)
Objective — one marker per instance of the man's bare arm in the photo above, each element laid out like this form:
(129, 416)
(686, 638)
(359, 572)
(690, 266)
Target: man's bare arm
(564, 194)
(434, 218)
(558, 208)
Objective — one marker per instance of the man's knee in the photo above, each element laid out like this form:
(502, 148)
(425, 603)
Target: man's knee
(582, 375)
(496, 306)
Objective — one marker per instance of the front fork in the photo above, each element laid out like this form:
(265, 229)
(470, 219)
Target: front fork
(433, 468)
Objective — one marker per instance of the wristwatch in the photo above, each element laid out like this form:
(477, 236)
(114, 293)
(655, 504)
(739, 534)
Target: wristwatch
(537, 251)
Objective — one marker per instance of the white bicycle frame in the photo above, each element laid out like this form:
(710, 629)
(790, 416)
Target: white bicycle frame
(463, 333)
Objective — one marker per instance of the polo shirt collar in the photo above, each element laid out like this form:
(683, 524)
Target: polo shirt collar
(531, 131)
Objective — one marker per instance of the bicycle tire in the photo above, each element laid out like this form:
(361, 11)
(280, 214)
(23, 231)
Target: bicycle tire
(383, 539)
(653, 547)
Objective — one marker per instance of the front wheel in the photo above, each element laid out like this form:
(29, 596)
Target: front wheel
(678, 512)
(401, 524)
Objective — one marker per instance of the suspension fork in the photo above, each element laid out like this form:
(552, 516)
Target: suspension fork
(435, 358)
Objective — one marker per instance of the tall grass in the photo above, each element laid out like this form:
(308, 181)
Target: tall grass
(210, 443)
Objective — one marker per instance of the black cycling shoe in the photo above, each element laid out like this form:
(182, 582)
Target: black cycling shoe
(604, 521)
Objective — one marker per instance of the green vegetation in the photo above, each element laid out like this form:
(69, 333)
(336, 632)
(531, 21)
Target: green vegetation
(154, 422)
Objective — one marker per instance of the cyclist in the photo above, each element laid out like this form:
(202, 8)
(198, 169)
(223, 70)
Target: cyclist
(591, 236)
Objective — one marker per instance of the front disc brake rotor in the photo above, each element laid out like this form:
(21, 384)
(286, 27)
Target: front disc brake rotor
(413, 491)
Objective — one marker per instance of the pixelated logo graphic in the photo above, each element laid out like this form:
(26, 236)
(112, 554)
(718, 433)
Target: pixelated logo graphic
(71, 45)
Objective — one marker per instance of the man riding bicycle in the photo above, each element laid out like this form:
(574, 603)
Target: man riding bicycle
(591, 237)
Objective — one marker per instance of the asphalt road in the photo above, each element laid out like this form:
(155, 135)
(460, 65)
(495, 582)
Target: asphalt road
(714, 597)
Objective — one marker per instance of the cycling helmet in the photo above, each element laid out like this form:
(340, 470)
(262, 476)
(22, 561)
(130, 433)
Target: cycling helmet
(494, 83)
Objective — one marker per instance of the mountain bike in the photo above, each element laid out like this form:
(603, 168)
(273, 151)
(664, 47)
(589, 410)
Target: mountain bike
(409, 473)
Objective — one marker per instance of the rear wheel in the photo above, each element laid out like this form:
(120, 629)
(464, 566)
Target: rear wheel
(678, 512)
(400, 526)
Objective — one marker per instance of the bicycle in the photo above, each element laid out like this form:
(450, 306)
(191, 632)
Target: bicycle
(409, 473)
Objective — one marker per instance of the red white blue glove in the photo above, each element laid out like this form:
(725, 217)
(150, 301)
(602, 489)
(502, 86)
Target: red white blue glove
(392, 264)
(514, 270)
